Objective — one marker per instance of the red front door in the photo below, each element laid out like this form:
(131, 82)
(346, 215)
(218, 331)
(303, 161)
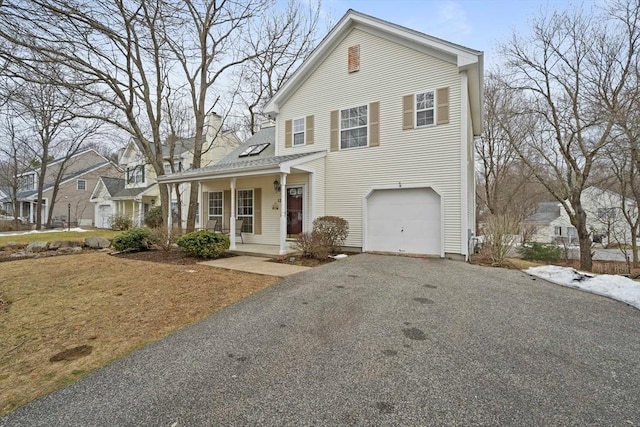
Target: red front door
(294, 211)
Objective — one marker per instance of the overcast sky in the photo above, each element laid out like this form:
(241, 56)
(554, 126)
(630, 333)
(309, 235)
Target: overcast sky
(478, 24)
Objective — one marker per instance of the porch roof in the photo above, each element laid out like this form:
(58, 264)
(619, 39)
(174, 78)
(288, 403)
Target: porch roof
(133, 193)
(250, 166)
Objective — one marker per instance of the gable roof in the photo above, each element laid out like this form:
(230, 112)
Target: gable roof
(464, 58)
(234, 163)
(545, 212)
(113, 185)
(33, 193)
(116, 188)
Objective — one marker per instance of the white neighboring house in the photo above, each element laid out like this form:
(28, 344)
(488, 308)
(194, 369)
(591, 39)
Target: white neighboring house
(605, 219)
(134, 194)
(376, 126)
(552, 224)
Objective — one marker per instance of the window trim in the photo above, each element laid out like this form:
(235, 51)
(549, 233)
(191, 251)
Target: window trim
(433, 108)
(209, 200)
(27, 182)
(78, 181)
(340, 129)
(134, 173)
(303, 132)
(253, 208)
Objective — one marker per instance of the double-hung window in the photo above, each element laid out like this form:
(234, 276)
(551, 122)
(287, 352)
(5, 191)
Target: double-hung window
(215, 205)
(81, 184)
(26, 182)
(353, 127)
(425, 108)
(298, 131)
(135, 175)
(245, 210)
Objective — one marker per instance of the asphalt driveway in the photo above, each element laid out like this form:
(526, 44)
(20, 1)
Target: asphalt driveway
(377, 340)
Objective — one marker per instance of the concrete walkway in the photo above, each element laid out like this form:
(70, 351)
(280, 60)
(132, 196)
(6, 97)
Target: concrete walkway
(257, 265)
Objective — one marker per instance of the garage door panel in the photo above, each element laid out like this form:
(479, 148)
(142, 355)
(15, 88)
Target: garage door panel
(404, 221)
(104, 216)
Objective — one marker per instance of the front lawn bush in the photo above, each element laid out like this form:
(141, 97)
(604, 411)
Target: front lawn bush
(535, 251)
(153, 218)
(500, 234)
(136, 239)
(313, 245)
(121, 223)
(204, 244)
(333, 229)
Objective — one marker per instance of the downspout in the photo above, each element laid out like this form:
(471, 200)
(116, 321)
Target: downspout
(464, 159)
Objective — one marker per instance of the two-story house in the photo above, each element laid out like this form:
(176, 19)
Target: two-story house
(136, 191)
(80, 173)
(376, 126)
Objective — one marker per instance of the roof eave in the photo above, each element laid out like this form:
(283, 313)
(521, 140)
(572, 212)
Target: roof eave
(282, 167)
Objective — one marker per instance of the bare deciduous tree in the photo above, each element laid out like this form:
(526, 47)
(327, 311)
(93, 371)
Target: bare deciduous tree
(284, 39)
(572, 72)
(15, 160)
(207, 46)
(50, 127)
(505, 185)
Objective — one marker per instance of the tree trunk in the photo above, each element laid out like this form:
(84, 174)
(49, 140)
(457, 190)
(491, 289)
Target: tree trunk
(634, 246)
(165, 200)
(579, 221)
(193, 204)
(179, 203)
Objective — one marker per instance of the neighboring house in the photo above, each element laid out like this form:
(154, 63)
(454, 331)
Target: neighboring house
(605, 219)
(136, 190)
(5, 205)
(550, 225)
(376, 126)
(80, 175)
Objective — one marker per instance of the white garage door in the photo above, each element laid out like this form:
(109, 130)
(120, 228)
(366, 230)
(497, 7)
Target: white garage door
(404, 221)
(103, 219)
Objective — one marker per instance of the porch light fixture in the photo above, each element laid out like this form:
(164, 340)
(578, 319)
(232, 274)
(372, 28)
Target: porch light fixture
(276, 186)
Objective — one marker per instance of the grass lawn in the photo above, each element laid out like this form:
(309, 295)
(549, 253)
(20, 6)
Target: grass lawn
(50, 236)
(107, 306)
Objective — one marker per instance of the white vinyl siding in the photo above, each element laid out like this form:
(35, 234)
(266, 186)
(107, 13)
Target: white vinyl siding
(429, 157)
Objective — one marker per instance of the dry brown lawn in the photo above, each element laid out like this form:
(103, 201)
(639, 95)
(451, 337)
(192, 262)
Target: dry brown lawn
(104, 305)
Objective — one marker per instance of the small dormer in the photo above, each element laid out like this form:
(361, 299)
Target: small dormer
(27, 182)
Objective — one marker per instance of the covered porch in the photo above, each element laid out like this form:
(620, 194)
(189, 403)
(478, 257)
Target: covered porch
(262, 207)
(136, 207)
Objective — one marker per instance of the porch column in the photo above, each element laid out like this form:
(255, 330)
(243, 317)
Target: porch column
(200, 207)
(170, 214)
(283, 214)
(232, 219)
(140, 218)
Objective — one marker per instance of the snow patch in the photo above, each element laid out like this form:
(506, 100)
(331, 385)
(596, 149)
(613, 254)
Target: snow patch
(612, 286)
